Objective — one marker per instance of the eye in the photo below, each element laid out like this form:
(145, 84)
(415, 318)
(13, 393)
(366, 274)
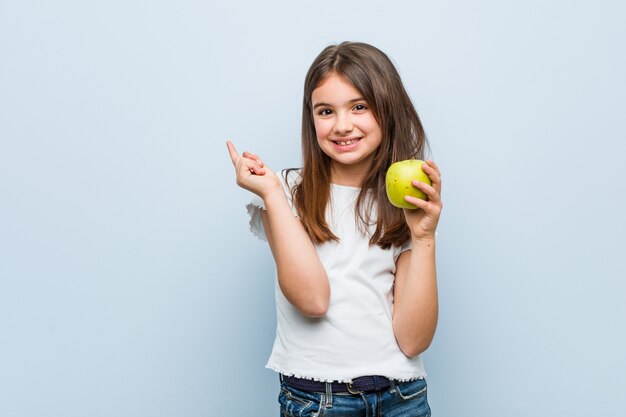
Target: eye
(360, 107)
(325, 112)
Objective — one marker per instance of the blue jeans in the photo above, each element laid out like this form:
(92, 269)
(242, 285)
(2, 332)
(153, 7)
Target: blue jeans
(401, 399)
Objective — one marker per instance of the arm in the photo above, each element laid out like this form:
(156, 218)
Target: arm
(416, 306)
(301, 275)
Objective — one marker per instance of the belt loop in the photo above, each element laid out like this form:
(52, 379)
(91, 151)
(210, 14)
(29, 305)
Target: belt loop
(329, 395)
(280, 376)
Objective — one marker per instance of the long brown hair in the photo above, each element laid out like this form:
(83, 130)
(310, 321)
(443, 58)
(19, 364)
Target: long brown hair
(374, 75)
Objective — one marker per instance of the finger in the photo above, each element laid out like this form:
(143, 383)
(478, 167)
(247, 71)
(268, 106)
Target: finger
(430, 164)
(257, 170)
(418, 202)
(433, 164)
(251, 166)
(247, 154)
(433, 173)
(430, 209)
(234, 156)
(430, 191)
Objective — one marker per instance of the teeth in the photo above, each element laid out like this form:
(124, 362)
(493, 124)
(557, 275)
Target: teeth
(347, 142)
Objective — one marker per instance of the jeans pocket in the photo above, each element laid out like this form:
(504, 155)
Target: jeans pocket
(412, 389)
(296, 403)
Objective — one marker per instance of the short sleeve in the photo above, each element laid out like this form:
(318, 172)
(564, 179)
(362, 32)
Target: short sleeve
(401, 249)
(289, 179)
(405, 247)
(254, 208)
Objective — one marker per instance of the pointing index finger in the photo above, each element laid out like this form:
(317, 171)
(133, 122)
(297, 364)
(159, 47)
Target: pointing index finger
(233, 152)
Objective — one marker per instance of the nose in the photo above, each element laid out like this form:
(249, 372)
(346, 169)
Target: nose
(343, 123)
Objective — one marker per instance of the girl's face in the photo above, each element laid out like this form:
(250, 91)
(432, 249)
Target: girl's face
(346, 129)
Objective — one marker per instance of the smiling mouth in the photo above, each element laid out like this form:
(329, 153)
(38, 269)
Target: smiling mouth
(346, 142)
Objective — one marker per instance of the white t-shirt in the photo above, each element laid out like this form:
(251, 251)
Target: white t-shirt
(355, 337)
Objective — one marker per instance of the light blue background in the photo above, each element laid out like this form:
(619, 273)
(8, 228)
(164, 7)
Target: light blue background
(130, 284)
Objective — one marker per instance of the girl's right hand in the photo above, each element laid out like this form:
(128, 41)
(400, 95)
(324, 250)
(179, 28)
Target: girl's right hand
(253, 174)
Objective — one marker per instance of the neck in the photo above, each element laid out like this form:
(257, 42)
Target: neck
(350, 176)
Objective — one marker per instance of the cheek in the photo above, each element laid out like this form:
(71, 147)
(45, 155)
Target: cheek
(372, 125)
(323, 128)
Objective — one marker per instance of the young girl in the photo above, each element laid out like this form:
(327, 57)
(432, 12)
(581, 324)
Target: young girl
(357, 294)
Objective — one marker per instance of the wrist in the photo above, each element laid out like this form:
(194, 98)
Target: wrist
(428, 239)
(274, 194)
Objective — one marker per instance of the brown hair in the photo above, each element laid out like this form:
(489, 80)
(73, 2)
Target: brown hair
(374, 75)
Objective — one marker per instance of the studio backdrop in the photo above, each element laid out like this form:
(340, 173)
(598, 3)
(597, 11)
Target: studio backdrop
(130, 284)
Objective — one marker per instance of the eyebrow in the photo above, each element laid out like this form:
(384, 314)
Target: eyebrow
(354, 100)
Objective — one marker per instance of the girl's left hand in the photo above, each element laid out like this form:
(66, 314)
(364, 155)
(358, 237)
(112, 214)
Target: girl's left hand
(423, 221)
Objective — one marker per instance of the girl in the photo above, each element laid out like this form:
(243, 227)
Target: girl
(357, 294)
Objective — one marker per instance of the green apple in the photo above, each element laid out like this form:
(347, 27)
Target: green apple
(399, 182)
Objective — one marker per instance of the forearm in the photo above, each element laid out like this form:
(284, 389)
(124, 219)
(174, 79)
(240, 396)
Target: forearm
(416, 304)
(301, 275)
